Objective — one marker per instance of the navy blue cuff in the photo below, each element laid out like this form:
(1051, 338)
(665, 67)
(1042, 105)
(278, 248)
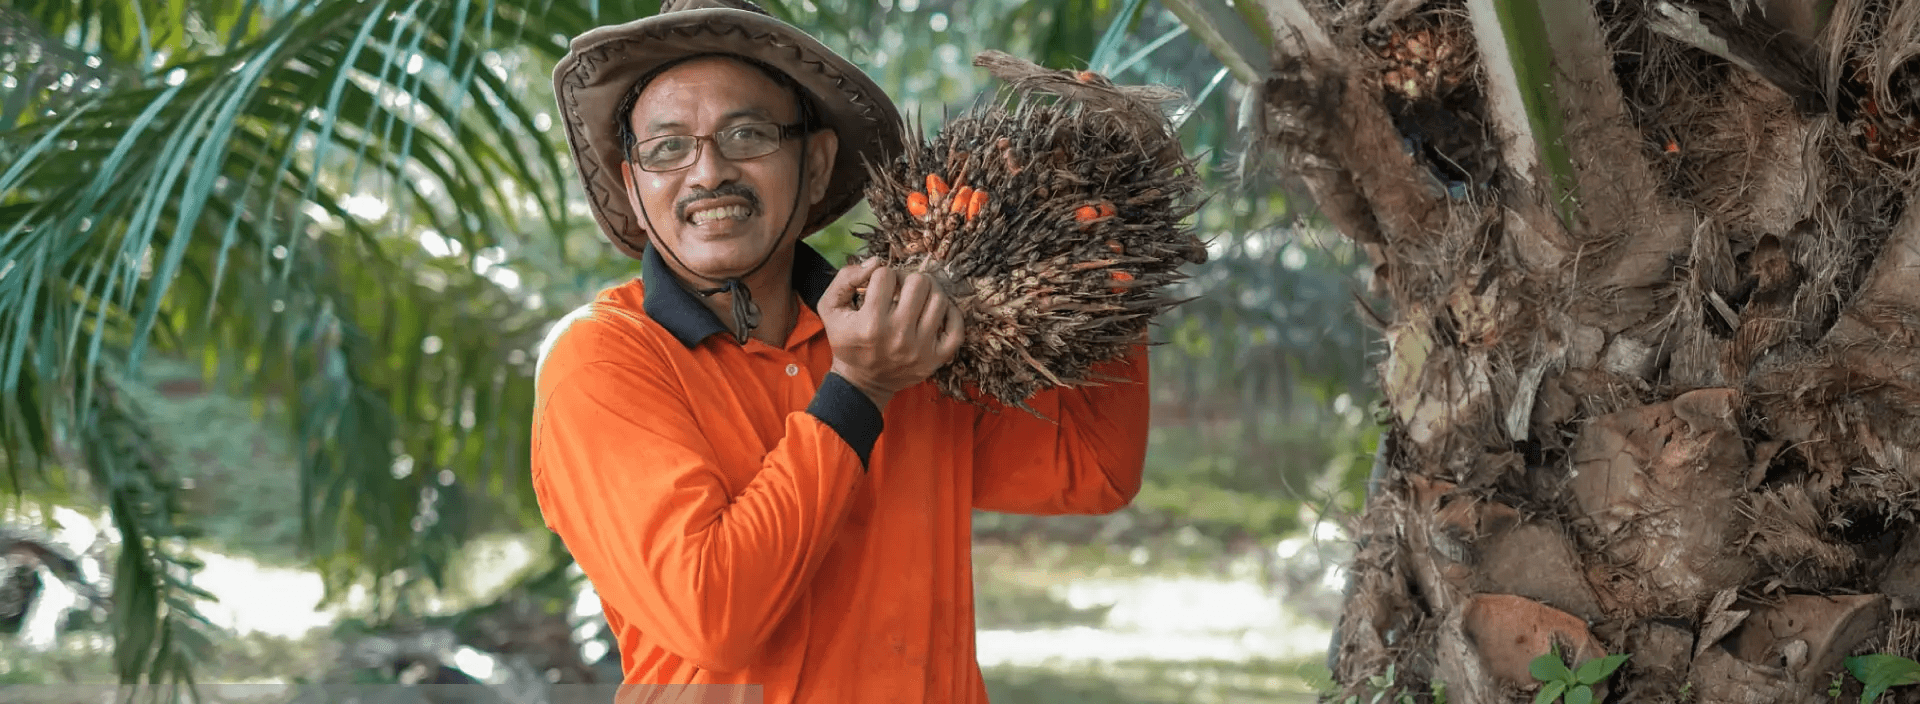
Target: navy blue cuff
(848, 411)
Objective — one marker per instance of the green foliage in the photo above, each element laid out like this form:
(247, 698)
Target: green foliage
(200, 199)
(1211, 485)
(1383, 687)
(1880, 672)
(160, 637)
(1000, 603)
(1575, 685)
(1255, 473)
(239, 476)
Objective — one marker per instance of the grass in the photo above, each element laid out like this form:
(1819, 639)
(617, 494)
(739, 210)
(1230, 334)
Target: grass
(257, 657)
(1154, 682)
(1042, 563)
(1016, 587)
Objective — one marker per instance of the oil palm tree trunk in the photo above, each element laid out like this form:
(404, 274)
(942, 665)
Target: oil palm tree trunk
(1651, 365)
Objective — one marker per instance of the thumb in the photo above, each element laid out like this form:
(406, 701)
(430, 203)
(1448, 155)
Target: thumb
(839, 295)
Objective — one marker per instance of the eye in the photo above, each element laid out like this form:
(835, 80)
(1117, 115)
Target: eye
(754, 133)
(667, 148)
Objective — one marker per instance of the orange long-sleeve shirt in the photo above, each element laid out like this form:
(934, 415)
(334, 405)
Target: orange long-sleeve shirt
(748, 518)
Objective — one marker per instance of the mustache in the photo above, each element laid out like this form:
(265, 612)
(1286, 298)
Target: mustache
(735, 189)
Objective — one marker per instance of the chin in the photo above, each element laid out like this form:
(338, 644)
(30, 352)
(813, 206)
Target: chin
(720, 261)
(722, 270)
(723, 252)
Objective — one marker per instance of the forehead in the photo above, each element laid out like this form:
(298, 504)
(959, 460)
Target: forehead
(707, 90)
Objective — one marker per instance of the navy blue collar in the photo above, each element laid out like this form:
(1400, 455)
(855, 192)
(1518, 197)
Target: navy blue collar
(669, 303)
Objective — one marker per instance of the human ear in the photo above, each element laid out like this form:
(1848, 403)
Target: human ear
(626, 179)
(822, 146)
(633, 196)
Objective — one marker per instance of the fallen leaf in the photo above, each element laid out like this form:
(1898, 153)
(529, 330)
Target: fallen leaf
(1720, 620)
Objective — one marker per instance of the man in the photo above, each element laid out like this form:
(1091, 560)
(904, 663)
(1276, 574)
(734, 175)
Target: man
(746, 464)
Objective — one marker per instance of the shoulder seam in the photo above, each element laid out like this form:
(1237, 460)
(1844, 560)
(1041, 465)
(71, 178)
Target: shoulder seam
(641, 329)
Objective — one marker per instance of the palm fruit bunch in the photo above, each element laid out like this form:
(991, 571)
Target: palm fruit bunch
(1054, 217)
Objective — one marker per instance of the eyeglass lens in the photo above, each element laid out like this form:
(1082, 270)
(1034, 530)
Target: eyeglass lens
(736, 143)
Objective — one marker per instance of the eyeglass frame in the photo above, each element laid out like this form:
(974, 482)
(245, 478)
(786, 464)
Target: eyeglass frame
(792, 130)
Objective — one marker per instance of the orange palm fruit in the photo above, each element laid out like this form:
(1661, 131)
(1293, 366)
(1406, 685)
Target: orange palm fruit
(961, 198)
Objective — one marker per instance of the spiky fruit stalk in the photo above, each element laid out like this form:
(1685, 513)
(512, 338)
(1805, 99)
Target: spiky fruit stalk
(1056, 222)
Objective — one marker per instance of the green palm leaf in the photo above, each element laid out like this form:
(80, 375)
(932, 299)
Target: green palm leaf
(169, 211)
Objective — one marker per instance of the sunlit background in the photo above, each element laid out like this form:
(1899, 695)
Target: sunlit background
(296, 310)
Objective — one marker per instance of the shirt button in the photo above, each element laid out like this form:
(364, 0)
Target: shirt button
(793, 369)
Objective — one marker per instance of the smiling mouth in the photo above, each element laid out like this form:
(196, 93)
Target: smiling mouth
(736, 213)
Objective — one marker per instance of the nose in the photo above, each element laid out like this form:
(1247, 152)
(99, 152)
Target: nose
(709, 169)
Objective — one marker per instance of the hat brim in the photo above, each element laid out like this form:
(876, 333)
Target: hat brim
(603, 64)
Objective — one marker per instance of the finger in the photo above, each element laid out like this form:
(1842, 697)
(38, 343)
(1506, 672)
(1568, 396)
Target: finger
(951, 335)
(880, 288)
(840, 293)
(914, 289)
(933, 316)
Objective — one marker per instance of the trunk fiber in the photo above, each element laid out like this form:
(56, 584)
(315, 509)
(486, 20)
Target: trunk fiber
(1653, 363)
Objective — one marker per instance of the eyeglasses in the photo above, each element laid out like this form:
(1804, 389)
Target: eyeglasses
(737, 143)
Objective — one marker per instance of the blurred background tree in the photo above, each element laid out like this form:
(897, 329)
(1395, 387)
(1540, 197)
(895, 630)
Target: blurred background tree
(353, 222)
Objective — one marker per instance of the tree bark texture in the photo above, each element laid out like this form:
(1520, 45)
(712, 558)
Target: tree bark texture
(1663, 399)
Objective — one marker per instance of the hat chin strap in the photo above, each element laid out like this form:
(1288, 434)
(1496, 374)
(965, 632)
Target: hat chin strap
(746, 313)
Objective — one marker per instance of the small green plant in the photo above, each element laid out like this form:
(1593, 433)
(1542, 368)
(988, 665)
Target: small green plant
(1833, 689)
(1575, 685)
(1382, 687)
(1880, 672)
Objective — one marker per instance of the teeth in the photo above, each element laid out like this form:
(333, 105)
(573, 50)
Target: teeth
(737, 212)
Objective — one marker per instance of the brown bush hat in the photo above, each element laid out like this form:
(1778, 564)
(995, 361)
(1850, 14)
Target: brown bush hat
(603, 64)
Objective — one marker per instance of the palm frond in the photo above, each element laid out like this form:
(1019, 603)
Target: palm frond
(215, 206)
(160, 636)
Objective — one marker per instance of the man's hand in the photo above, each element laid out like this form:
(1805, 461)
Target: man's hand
(903, 330)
